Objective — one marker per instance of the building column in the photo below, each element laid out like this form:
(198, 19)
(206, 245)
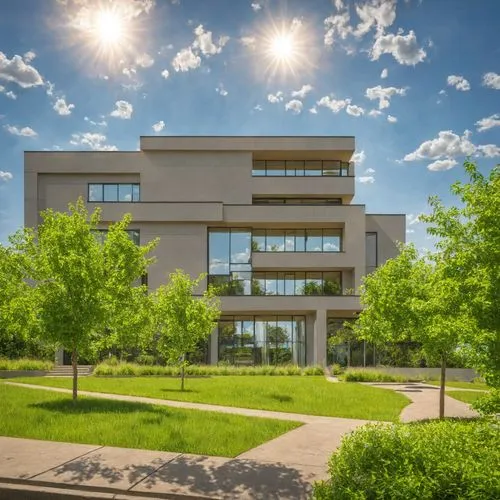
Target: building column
(320, 338)
(59, 357)
(310, 319)
(214, 346)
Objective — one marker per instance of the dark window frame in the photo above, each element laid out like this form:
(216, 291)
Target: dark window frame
(322, 229)
(344, 167)
(372, 268)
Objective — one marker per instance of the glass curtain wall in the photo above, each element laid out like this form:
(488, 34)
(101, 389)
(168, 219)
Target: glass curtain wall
(297, 240)
(300, 168)
(257, 340)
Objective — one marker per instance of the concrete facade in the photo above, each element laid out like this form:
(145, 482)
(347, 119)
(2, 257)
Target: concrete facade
(192, 185)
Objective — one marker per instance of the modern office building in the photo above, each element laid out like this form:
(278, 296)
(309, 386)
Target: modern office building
(270, 218)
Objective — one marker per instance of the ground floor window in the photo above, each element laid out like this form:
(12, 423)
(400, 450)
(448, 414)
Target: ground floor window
(257, 340)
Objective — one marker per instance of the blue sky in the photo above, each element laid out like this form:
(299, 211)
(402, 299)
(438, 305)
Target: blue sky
(417, 82)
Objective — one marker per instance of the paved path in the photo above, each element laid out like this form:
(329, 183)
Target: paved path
(425, 402)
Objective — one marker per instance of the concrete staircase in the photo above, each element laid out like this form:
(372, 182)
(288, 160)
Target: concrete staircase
(67, 371)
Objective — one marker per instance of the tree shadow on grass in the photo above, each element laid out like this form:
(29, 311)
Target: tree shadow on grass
(179, 390)
(282, 398)
(89, 405)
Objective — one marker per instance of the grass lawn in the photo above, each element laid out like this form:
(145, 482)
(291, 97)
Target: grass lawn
(308, 395)
(480, 386)
(47, 415)
(465, 396)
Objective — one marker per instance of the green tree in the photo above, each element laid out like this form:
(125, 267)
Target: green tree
(469, 251)
(76, 284)
(411, 299)
(182, 320)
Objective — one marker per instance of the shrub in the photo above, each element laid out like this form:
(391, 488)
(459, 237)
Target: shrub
(106, 369)
(429, 460)
(25, 364)
(336, 369)
(353, 375)
(489, 404)
(146, 359)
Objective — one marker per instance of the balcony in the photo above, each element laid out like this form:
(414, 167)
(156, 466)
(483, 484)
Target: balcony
(161, 211)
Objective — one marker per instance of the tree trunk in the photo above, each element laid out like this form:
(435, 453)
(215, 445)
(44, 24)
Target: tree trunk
(182, 372)
(442, 386)
(74, 364)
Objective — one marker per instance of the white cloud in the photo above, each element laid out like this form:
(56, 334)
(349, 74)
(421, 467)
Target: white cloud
(378, 13)
(337, 27)
(5, 176)
(18, 71)
(359, 157)
(24, 131)
(442, 92)
(102, 123)
(439, 165)
(205, 44)
(302, 92)
(410, 231)
(447, 145)
(62, 108)
(459, 82)
(7, 93)
(185, 60)
(257, 107)
(295, 106)
(339, 4)
(221, 90)
(49, 88)
(94, 141)
(354, 110)
(123, 110)
(144, 60)
(391, 119)
(384, 73)
(404, 48)
(412, 219)
(29, 56)
(335, 105)
(130, 72)
(274, 98)
(370, 171)
(165, 73)
(159, 126)
(489, 150)
(313, 110)
(375, 113)
(366, 179)
(491, 80)
(248, 41)
(256, 6)
(489, 122)
(383, 94)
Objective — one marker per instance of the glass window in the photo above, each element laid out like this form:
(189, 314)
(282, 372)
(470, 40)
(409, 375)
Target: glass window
(289, 279)
(110, 192)
(371, 252)
(313, 168)
(95, 192)
(332, 240)
(331, 168)
(332, 283)
(136, 192)
(124, 192)
(300, 282)
(259, 240)
(259, 168)
(275, 240)
(295, 168)
(218, 251)
(314, 284)
(271, 283)
(240, 245)
(300, 240)
(345, 168)
(314, 240)
(290, 240)
(134, 236)
(280, 285)
(258, 284)
(275, 167)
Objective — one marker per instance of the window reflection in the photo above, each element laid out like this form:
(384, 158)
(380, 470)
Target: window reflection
(255, 340)
(297, 240)
(110, 192)
(299, 168)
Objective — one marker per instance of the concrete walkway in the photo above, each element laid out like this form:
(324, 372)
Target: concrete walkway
(425, 402)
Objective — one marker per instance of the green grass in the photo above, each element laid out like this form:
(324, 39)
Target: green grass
(28, 413)
(308, 395)
(465, 396)
(480, 386)
(364, 375)
(25, 364)
(117, 369)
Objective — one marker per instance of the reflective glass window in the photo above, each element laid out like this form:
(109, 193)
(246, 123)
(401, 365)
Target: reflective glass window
(218, 244)
(259, 240)
(95, 192)
(125, 192)
(276, 167)
(110, 192)
(290, 240)
(136, 192)
(300, 282)
(331, 168)
(313, 168)
(275, 240)
(332, 240)
(240, 246)
(332, 283)
(259, 168)
(314, 284)
(314, 240)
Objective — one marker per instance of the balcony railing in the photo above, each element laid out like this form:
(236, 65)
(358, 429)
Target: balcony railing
(300, 168)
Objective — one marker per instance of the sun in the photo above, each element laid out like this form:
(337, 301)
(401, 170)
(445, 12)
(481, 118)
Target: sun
(109, 27)
(282, 47)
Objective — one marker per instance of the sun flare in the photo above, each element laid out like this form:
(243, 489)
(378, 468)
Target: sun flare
(282, 46)
(109, 27)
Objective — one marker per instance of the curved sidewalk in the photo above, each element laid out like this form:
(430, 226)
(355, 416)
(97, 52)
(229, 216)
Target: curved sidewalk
(425, 402)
